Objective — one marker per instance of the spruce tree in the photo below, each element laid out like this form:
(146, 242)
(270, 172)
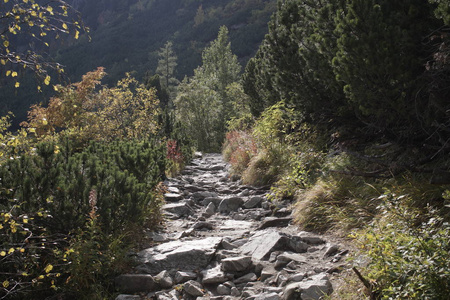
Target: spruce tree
(166, 68)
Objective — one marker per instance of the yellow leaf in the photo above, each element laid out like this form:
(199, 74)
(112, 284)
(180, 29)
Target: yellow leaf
(77, 34)
(25, 274)
(6, 44)
(47, 80)
(6, 1)
(3, 62)
(6, 282)
(11, 251)
(40, 277)
(44, 122)
(14, 74)
(8, 73)
(64, 25)
(3, 253)
(48, 268)
(22, 250)
(50, 9)
(17, 84)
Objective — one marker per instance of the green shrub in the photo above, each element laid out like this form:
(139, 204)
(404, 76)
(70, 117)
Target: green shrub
(65, 216)
(409, 251)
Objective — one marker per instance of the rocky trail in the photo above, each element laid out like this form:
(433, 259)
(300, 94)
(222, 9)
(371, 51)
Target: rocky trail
(224, 240)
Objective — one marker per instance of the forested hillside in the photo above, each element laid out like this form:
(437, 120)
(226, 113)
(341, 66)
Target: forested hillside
(125, 36)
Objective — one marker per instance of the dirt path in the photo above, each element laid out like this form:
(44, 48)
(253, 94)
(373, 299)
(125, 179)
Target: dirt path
(223, 241)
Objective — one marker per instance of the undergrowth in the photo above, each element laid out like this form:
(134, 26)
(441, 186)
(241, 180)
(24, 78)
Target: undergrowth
(405, 238)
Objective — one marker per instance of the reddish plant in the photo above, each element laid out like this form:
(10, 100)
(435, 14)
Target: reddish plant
(173, 151)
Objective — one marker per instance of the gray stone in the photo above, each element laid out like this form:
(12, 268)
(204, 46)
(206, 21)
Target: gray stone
(223, 290)
(246, 278)
(172, 197)
(203, 225)
(173, 189)
(164, 279)
(260, 245)
(185, 255)
(313, 289)
(229, 245)
(181, 277)
(210, 209)
(135, 283)
(235, 292)
(230, 204)
(236, 264)
(193, 288)
(213, 275)
(297, 277)
(268, 296)
(331, 250)
(214, 200)
(296, 244)
(267, 272)
(253, 202)
(286, 257)
(128, 297)
(198, 196)
(311, 239)
(179, 209)
(275, 222)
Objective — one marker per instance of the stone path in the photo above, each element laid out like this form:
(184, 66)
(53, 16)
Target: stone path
(222, 240)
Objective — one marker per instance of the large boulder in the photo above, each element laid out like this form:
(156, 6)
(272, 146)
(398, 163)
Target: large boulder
(181, 255)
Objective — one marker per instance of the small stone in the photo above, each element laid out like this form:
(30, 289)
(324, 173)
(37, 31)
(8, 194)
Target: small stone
(253, 202)
(223, 290)
(297, 277)
(228, 245)
(246, 278)
(235, 292)
(214, 275)
(275, 222)
(173, 197)
(268, 296)
(331, 250)
(128, 297)
(181, 277)
(236, 264)
(292, 265)
(164, 279)
(202, 225)
(193, 288)
(230, 204)
(210, 209)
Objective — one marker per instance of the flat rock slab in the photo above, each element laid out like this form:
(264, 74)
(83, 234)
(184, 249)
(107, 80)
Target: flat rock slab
(179, 209)
(236, 225)
(181, 255)
(260, 245)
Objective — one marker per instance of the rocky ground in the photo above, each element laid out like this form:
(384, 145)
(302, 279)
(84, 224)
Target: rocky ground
(224, 240)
